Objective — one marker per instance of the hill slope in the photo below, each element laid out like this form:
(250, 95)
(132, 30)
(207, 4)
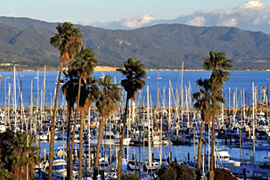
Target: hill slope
(26, 42)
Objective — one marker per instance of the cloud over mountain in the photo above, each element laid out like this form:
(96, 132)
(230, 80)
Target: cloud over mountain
(137, 21)
(129, 23)
(253, 15)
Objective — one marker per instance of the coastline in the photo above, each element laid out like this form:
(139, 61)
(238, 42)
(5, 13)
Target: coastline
(110, 68)
(105, 68)
(50, 69)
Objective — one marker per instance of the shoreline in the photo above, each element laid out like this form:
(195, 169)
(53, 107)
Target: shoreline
(110, 68)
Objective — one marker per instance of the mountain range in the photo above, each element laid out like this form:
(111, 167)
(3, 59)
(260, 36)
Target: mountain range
(25, 42)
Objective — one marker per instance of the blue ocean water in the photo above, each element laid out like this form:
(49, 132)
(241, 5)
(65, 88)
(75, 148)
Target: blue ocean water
(238, 80)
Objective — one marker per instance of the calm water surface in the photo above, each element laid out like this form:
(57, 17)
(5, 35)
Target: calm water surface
(238, 80)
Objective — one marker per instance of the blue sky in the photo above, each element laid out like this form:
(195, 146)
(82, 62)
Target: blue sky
(128, 14)
(109, 10)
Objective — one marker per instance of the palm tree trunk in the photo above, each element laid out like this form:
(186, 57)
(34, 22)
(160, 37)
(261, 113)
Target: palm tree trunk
(119, 165)
(101, 127)
(82, 113)
(200, 153)
(74, 126)
(69, 157)
(53, 122)
(211, 173)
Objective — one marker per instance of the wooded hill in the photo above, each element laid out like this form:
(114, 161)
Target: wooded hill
(25, 42)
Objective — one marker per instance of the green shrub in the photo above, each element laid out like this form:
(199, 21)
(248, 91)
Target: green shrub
(133, 176)
(224, 174)
(176, 172)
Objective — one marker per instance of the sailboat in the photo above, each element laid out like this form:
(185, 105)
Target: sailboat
(102, 76)
(159, 76)
(150, 164)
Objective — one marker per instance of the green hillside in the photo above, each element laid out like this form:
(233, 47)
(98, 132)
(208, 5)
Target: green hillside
(25, 42)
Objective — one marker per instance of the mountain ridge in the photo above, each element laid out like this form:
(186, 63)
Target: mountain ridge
(25, 42)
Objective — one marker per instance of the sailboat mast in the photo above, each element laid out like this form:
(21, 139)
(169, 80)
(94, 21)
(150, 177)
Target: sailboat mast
(89, 137)
(244, 109)
(41, 111)
(169, 123)
(222, 114)
(9, 96)
(161, 132)
(37, 91)
(5, 102)
(187, 109)
(157, 95)
(15, 105)
(1, 76)
(44, 86)
(31, 98)
(182, 90)
(229, 104)
(149, 134)
(253, 117)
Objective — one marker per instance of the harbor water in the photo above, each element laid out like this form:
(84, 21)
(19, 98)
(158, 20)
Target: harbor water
(238, 81)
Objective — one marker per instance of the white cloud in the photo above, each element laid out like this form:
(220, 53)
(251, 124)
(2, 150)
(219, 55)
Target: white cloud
(129, 23)
(86, 22)
(136, 22)
(253, 16)
(229, 22)
(252, 4)
(197, 21)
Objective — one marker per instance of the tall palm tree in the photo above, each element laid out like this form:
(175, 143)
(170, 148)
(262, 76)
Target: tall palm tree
(87, 97)
(203, 104)
(219, 65)
(134, 72)
(106, 103)
(82, 68)
(68, 40)
(69, 90)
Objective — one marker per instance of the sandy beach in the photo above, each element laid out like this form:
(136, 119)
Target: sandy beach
(105, 68)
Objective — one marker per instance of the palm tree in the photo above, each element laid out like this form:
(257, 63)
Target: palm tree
(68, 40)
(69, 90)
(134, 72)
(18, 153)
(87, 97)
(82, 67)
(218, 64)
(106, 104)
(203, 98)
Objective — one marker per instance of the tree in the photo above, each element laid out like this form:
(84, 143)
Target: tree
(4, 174)
(175, 171)
(106, 104)
(17, 154)
(218, 64)
(134, 72)
(69, 90)
(68, 40)
(82, 68)
(87, 97)
(203, 98)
